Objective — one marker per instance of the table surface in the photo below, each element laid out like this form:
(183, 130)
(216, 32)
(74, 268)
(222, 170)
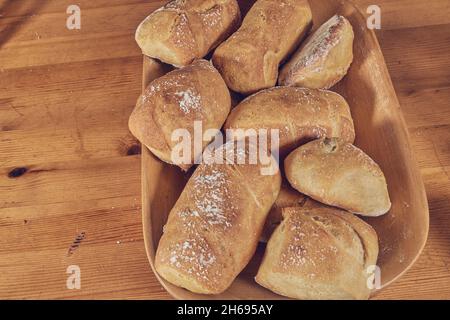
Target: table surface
(70, 169)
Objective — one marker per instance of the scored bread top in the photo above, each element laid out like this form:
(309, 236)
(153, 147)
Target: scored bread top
(184, 30)
(174, 101)
(322, 233)
(323, 59)
(213, 229)
(249, 59)
(319, 253)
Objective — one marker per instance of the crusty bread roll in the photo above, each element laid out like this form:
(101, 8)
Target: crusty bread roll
(323, 59)
(339, 174)
(299, 114)
(185, 30)
(287, 198)
(271, 30)
(320, 253)
(213, 229)
(174, 101)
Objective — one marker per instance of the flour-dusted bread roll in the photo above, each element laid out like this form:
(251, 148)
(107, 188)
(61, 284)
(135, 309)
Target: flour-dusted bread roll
(175, 101)
(339, 174)
(323, 59)
(185, 30)
(299, 114)
(271, 30)
(287, 198)
(320, 253)
(213, 229)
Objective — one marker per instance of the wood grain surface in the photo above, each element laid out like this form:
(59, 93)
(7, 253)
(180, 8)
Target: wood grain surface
(70, 169)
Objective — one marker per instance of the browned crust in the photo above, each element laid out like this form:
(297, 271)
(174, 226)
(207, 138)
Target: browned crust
(321, 169)
(299, 114)
(287, 198)
(271, 30)
(319, 253)
(194, 93)
(222, 208)
(323, 59)
(187, 29)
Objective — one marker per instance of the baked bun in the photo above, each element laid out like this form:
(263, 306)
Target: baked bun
(271, 30)
(174, 101)
(337, 173)
(185, 30)
(299, 114)
(288, 197)
(320, 253)
(323, 59)
(213, 229)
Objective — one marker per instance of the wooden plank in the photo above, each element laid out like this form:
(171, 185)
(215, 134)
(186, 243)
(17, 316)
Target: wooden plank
(31, 148)
(89, 91)
(432, 146)
(105, 269)
(395, 14)
(428, 107)
(71, 109)
(417, 58)
(115, 46)
(95, 23)
(68, 181)
(104, 34)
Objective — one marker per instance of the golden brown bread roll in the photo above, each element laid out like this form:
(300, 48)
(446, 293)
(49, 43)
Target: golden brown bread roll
(271, 30)
(185, 30)
(174, 101)
(299, 114)
(288, 197)
(213, 229)
(339, 174)
(323, 59)
(320, 253)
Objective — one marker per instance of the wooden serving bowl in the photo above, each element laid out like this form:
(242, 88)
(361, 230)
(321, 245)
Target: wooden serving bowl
(380, 131)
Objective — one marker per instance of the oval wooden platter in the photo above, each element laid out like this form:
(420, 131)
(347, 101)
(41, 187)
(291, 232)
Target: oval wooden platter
(380, 131)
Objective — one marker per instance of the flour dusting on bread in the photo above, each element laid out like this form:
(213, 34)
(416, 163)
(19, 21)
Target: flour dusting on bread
(212, 17)
(209, 191)
(175, 4)
(188, 100)
(318, 46)
(324, 58)
(182, 31)
(194, 256)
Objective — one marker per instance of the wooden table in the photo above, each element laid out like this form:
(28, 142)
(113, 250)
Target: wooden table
(70, 169)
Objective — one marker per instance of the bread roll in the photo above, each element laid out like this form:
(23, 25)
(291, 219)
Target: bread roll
(288, 197)
(323, 59)
(299, 114)
(320, 253)
(271, 30)
(174, 101)
(185, 30)
(339, 174)
(213, 229)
